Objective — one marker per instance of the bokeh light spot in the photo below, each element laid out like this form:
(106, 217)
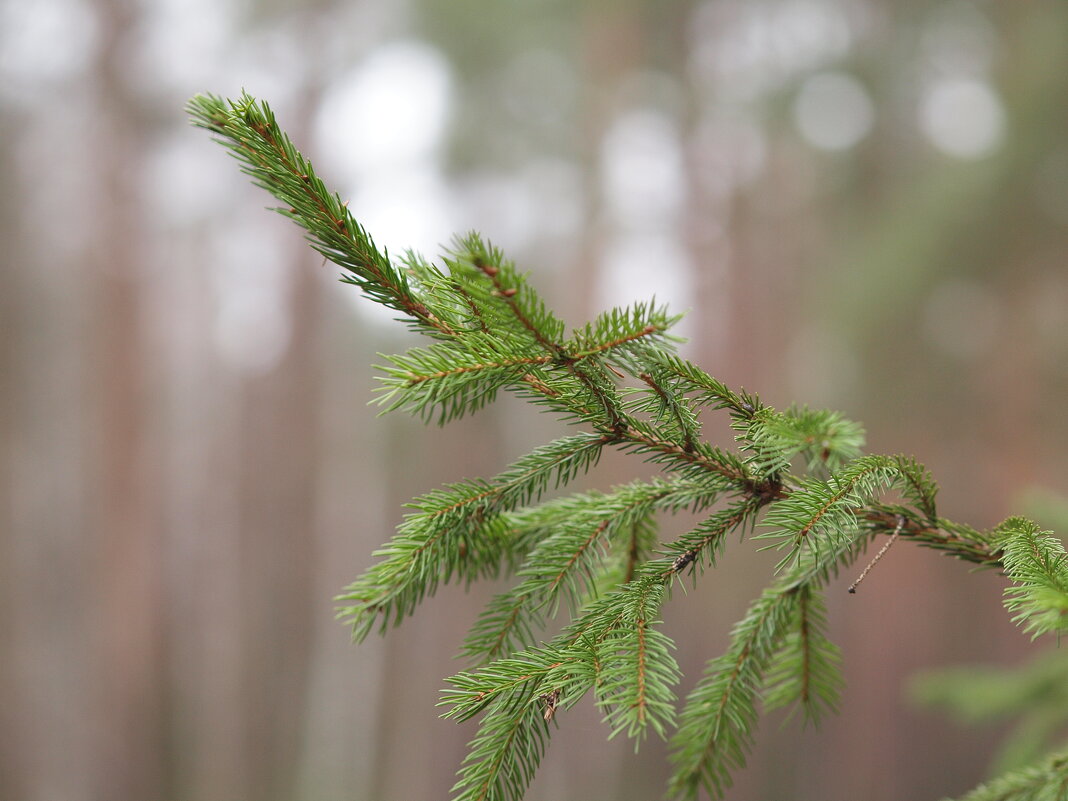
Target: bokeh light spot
(962, 117)
(833, 111)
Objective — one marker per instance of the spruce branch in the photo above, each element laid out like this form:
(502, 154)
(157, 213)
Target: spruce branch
(805, 670)
(824, 438)
(596, 554)
(918, 486)
(1037, 564)
(504, 756)
(665, 402)
(711, 391)
(520, 676)
(625, 335)
(449, 381)
(821, 513)
(616, 638)
(716, 725)
(513, 733)
(958, 540)
(427, 548)
(249, 130)
(637, 672)
(565, 560)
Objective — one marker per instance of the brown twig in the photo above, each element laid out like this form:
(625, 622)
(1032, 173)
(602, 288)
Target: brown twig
(878, 556)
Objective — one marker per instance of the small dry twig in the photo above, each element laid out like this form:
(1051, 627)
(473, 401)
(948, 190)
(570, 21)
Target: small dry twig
(878, 556)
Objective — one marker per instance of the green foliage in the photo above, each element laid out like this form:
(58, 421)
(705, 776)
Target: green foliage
(596, 555)
(1038, 566)
(518, 691)
(636, 669)
(715, 729)
(571, 553)
(823, 438)
(823, 513)
(804, 673)
(460, 530)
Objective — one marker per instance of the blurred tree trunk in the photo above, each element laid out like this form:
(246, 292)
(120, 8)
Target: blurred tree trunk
(123, 458)
(278, 441)
(12, 763)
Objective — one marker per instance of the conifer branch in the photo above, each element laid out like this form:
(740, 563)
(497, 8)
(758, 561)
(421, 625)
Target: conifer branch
(250, 131)
(613, 637)
(564, 559)
(622, 340)
(711, 391)
(637, 672)
(1037, 565)
(671, 404)
(425, 550)
(805, 669)
(715, 728)
(500, 768)
(951, 538)
(919, 487)
(704, 458)
(825, 438)
(821, 511)
(619, 379)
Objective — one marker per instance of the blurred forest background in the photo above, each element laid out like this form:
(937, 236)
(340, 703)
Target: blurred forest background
(863, 204)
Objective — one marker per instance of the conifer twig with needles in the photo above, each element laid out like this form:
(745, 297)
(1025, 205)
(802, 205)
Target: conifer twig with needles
(597, 556)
